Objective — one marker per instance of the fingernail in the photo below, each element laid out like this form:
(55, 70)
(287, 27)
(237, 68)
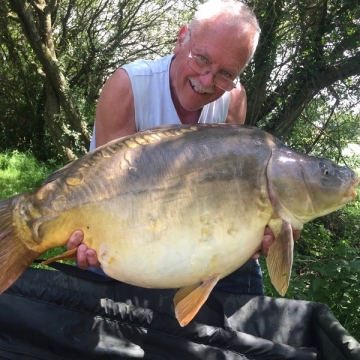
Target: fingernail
(268, 240)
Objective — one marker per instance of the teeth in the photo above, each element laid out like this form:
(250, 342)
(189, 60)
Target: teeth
(197, 86)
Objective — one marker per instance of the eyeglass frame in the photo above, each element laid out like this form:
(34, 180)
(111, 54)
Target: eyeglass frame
(193, 56)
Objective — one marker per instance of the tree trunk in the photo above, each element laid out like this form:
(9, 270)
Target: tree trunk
(36, 20)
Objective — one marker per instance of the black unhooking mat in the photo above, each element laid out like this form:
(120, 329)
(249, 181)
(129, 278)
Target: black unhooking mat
(50, 315)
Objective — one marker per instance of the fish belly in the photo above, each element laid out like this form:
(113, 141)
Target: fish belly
(182, 258)
(173, 237)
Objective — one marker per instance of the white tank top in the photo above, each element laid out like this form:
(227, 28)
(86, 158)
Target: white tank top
(152, 98)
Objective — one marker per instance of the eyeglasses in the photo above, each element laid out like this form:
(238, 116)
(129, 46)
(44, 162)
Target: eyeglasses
(198, 63)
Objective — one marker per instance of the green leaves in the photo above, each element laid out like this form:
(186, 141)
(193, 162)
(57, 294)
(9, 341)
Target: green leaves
(327, 266)
(306, 50)
(55, 58)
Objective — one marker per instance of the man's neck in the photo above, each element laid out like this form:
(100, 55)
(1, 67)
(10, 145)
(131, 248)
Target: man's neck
(191, 117)
(185, 116)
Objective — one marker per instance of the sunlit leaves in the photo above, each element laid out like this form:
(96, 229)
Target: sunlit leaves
(307, 48)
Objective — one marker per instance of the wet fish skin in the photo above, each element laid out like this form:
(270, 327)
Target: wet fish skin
(176, 207)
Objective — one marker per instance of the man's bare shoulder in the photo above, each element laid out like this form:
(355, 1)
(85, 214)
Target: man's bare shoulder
(237, 106)
(117, 82)
(115, 114)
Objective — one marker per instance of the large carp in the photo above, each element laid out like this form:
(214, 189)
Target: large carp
(176, 207)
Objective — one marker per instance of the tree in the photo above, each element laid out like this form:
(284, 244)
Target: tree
(308, 49)
(56, 56)
(37, 20)
(68, 48)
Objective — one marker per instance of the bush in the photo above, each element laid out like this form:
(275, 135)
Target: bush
(327, 266)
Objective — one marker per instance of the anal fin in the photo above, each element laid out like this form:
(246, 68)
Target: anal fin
(67, 255)
(190, 299)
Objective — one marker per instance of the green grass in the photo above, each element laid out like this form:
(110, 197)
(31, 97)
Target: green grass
(20, 172)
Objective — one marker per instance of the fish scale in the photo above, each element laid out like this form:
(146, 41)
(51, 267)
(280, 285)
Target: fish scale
(176, 207)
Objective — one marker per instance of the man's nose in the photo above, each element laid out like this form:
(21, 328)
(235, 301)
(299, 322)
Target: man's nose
(208, 79)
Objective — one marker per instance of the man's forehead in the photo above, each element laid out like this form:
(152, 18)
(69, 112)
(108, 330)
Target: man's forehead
(224, 42)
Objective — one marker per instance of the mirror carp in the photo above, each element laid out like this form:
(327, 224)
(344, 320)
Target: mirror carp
(176, 207)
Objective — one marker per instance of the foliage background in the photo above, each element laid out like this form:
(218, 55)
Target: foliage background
(302, 86)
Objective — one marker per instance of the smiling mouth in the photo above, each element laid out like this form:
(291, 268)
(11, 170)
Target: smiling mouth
(195, 89)
(199, 89)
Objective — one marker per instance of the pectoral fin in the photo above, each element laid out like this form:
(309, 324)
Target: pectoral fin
(67, 255)
(189, 300)
(280, 257)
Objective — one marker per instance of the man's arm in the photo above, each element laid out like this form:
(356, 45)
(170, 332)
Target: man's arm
(115, 114)
(237, 106)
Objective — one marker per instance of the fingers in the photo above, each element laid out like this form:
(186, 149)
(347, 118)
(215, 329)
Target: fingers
(296, 234)
(75, 239)
(268, 239)
(85, 257)
(268, 231)
(92, 258)
(266, 243)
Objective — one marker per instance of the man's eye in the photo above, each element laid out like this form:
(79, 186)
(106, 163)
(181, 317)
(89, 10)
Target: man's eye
(226, 74)
(202, 59)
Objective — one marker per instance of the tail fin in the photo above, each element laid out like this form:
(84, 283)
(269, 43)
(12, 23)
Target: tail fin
(15, 257)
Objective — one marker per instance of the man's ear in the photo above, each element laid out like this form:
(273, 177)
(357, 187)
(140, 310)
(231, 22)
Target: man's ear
(181, 36)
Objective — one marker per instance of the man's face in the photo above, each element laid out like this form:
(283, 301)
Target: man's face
(221, 48)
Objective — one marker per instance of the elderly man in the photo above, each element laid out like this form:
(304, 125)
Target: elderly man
(198, 83)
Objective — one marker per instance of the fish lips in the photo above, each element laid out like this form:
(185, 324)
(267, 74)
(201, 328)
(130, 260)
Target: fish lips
(352, 190)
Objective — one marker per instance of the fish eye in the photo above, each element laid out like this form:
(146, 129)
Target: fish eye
(324, 169)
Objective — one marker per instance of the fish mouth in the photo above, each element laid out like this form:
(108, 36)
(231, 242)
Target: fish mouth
(352, 191)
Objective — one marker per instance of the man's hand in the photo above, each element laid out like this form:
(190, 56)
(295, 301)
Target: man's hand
(85, 257)
(269, 239)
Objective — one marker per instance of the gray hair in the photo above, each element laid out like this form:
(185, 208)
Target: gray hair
(236, 14)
